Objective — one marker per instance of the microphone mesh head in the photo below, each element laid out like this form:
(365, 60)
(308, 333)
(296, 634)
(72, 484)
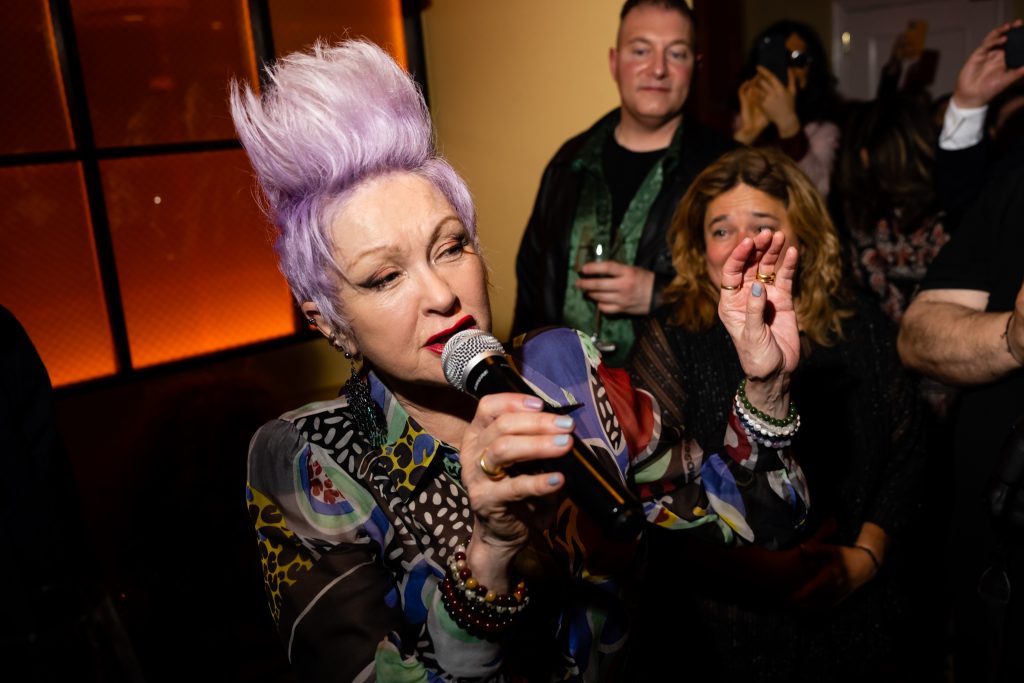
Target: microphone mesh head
(461, 349)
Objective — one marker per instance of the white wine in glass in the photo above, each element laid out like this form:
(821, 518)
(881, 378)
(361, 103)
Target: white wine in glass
(591, 251)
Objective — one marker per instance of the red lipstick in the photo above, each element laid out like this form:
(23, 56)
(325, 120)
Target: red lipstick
(436, 341)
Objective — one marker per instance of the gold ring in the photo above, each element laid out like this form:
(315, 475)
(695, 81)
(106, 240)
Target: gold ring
(767, 278)
(494, 475)
(731, 288)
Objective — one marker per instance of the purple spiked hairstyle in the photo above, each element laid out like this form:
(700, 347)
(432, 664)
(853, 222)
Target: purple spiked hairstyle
(329, 120)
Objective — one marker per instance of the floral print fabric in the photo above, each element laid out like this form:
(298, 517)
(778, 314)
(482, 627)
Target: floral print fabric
(891, 264)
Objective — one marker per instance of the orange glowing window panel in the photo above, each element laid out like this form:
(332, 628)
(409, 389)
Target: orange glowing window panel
(34, 116)
(49, 276)
(297, 23)
(156, 71)
(194, 260)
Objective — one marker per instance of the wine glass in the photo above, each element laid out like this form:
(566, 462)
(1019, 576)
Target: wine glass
(590, 251)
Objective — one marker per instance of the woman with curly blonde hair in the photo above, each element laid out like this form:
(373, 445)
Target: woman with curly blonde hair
(693, 295)
(845, 591)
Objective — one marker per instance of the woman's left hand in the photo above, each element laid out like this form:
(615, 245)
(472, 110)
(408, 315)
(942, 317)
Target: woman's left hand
(759, 314)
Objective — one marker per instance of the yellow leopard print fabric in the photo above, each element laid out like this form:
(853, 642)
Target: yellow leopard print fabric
(410, 455)
(280, 549)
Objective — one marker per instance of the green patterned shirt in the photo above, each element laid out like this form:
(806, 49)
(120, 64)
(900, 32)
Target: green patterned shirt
(593, 222)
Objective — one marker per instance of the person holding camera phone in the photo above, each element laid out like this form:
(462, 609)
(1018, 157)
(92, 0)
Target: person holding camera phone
(966, 328)
(788, 99)
(967, 156)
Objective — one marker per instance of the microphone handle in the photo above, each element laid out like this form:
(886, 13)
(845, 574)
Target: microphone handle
(599, 493)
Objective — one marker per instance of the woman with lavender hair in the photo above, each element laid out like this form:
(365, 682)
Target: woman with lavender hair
(399, 539)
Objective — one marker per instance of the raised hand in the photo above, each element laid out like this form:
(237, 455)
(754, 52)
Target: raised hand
(984, 75)
(778, 100)
(752, 120)
(756, 305)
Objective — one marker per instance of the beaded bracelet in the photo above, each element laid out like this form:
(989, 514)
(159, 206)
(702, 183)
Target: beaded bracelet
(791, 414)
(753, 433)
(475, 609)
(758, 434)
(762, 428)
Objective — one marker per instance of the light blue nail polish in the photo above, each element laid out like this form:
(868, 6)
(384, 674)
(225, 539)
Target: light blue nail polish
(561, 439)
(756, 289)
(564, 422)
(553, 480)
(533, 402)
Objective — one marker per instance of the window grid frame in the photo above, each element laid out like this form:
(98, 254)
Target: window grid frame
(85, 153)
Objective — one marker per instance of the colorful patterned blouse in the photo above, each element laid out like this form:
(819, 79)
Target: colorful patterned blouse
(354, 539)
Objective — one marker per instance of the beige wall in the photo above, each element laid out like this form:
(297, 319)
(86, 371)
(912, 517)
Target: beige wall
(509, 83)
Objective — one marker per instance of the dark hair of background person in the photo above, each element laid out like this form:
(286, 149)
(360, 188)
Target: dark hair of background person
(897, 137)
(678, 5)
(819, 100)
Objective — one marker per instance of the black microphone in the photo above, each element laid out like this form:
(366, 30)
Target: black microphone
(475, 362)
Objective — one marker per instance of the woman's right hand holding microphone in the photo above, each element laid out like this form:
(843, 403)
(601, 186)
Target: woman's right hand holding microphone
(508, 429)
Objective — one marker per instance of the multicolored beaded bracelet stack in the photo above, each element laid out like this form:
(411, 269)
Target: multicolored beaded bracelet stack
(771, 432)
(478, 611)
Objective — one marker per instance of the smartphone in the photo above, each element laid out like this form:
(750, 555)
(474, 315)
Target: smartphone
(914, 38)
(771, 54)
(1015, 47)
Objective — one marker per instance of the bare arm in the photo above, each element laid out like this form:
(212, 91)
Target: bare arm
(946, 334)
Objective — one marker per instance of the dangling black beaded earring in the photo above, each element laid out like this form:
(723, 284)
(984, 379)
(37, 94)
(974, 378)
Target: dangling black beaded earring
(369, 420)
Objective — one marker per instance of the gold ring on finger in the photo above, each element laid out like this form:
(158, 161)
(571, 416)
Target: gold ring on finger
(731, 288)
(497, 474)
(766, 278)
